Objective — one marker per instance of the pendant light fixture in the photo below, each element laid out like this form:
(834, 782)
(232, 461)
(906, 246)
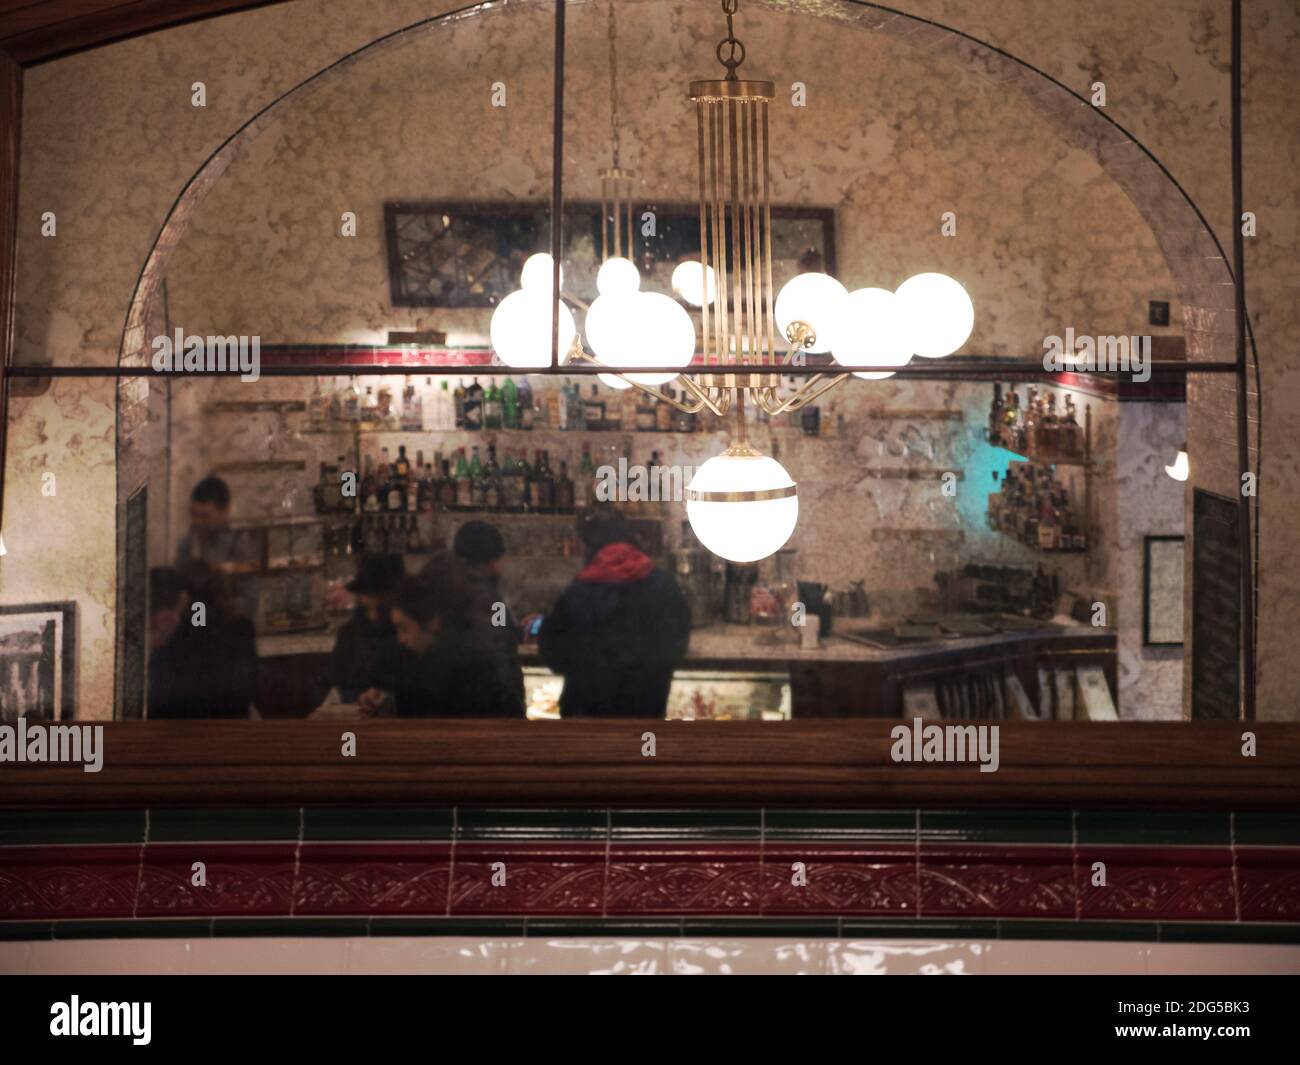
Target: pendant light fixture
(742, 505)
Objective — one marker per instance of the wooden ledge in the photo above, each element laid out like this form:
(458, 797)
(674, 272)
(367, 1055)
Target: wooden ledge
(844, 762)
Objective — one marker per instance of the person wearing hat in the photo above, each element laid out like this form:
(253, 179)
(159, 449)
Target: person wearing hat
(366, 652)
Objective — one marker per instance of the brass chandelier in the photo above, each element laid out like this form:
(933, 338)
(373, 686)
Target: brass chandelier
(741, 504)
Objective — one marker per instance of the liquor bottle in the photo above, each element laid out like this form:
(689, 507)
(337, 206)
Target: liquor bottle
(395, 496)
(475, 479)
(1030, 423)
(1049, 435)
(562, 408)
(811, 420)
(427, 491)
(585, 483)
(352, 402)
(446, 487)
(564, 493)
(510, 404)
(413, 534)
(335, 401)
(524, 481)
(474, 406)
(492, 407)
(594, 411)
(631, 404)
(577, 410)
(664, 411)
(445, 420)
(384, 470)
(464, 491)
(318, 406)
(412, 408)
(613, 420)
(508, 494)
(994, 433)
(402, 468)
(458, 401)
(1011, 421)
(538, 489)
(492, 480)
(527, 412)
(1070, 430)
(430, 408)
(413, 495)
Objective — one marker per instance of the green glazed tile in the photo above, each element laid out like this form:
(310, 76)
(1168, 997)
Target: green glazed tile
(997, 826)
(133, 928)
(1153, 828)
(223, 927)
(747, 927)
(14, 931)
(483, 927)
(922, 929)
(1195, 932)
(1267, 830)
(848, 826)
(227, 824)
(601, 927)
(1100, 931)
(392, 824)
(28, 827)
(480, 823)
(718, 825)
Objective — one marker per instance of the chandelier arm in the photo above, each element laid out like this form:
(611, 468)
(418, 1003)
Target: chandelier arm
(809, 391)
(578, 355)
(718, 407)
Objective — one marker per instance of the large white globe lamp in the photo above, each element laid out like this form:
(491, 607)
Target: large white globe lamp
(871, 331)
(742, 505)
(815, 301)
(937, 312)
(521, 329)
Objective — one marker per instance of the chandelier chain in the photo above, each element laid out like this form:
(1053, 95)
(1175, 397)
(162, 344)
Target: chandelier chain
(734, 47)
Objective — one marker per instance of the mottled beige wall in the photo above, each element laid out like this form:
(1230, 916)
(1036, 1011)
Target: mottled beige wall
(110, 136)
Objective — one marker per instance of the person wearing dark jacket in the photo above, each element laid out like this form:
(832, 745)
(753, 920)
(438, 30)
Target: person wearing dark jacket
(451, 667)
(206, 670)
(366, 651)
(619, 630)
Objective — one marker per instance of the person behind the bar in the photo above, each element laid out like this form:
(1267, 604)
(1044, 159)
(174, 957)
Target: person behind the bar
(452, 667)
(366, 651)
(202, 662)
(619, 630)
(210, 538)
(480, 549)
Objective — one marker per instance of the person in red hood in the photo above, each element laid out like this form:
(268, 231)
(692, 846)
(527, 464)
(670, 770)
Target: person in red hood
(619, 630)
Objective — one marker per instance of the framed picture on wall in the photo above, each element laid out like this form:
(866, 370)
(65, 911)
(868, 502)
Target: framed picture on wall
(1162, 591)
(469, 254)
(38, 646)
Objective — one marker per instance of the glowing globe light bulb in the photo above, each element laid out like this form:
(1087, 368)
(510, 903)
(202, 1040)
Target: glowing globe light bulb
(814, 300)
(689, 281)
(521, 329)
(871, 331)
(617, 277)
(742, 505)
(538, 273)
(938, 314)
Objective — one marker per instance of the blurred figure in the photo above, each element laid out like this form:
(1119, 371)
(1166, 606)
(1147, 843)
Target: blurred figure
(481, 549)
(366, 651)
(210, 538)
(451, 667)
(206, 670)
(619, 630)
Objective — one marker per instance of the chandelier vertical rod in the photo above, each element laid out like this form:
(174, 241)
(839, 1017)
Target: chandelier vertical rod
(722, 325)
(768, 291)
(704, 242)
(736, 267)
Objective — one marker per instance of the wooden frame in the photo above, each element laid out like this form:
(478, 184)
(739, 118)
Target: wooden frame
(66, 649)
(596, 763)
(581, 219)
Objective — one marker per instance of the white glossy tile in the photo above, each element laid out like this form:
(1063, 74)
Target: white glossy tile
(895, 957)
(746, 957)
(13, 957)
(1223, 959)
(326, 956)
(589, 956)
(1010, 957)
(109, 957)
(450, 956)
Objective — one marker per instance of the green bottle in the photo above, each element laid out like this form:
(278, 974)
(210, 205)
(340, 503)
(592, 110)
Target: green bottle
(510, 404)
(492, 407)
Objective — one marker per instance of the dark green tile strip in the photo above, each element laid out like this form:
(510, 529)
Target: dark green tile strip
(655, 928)
(631, 826)
(26, 827)
(1151, 827)
(840, 826)
(997, 826)
(480, 823)
(1267, 830)
(380, 824)
(207, 824)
